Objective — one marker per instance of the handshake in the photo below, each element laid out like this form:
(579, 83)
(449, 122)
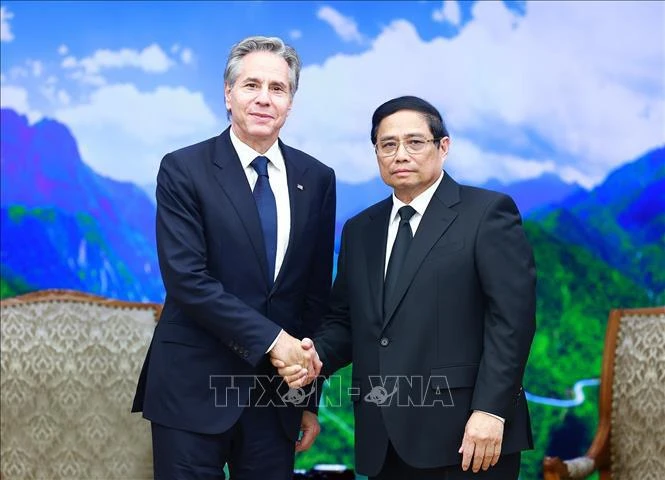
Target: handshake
(296, 360)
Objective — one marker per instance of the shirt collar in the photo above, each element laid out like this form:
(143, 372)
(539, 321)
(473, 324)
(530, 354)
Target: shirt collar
(419, 203)
(247, 154)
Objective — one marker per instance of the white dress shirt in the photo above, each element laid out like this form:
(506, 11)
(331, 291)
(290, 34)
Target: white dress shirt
(278, 184)
(419, 204)
(280, 188)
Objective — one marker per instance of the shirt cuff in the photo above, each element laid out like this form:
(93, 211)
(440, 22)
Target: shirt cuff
(274, 342)
(503, 420)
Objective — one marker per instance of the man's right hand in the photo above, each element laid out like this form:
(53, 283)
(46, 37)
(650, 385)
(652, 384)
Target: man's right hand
(297, 361)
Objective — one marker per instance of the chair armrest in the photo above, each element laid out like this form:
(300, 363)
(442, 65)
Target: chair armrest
(556, 469)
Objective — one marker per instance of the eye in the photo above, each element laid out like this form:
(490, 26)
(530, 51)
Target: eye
(389, 145)
(416, 142)
(251, 85)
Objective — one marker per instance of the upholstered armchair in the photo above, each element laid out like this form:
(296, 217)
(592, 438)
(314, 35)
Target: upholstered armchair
(630, 441)
(70, 362)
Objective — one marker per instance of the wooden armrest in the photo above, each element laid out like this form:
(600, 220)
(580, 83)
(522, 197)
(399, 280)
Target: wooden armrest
(556, 469)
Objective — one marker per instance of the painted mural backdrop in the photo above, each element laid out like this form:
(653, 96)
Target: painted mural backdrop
(560, 105)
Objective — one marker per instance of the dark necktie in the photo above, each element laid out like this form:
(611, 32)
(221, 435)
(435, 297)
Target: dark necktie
(265, 203)
(398, 254)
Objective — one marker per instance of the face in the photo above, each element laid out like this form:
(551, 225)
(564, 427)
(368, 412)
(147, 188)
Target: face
(260, 99)
(409, 174)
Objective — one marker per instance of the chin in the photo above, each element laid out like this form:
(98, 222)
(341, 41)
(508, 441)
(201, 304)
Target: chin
(262, 131)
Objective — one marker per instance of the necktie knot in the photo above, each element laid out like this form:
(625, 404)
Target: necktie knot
(406, 212)
(260, 166)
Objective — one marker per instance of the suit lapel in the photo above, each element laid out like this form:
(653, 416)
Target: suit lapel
(436, 220)
(233, 180)
(297, 202)
(376, 232)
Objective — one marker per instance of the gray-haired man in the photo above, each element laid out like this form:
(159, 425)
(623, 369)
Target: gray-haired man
(245, 229)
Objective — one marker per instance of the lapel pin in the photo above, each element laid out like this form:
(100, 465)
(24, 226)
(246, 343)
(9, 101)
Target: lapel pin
(300, 187)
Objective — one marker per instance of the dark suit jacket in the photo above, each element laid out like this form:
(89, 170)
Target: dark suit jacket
(459, 328)
(220, 315)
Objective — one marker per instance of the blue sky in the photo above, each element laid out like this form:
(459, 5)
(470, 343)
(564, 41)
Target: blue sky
(573, 88)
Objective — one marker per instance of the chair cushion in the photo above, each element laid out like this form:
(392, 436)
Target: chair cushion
(69, 371)
(638, 399)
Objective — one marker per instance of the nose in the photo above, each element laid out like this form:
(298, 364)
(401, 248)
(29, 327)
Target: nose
(401, 154)
(263, 96)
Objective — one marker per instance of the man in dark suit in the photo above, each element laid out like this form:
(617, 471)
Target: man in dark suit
(434, 302)
(245, 228)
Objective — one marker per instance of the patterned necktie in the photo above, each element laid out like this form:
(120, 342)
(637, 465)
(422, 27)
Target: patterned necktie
(398, 254)
(265, 203)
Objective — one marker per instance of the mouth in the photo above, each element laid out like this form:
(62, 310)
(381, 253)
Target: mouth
(400, 171)
(262, 116)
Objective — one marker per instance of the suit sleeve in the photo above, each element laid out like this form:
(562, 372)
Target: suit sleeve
(333, 341)
(507, 272)
(320, 277)
(182, 252)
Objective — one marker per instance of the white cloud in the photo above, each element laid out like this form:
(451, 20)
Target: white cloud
(69, 62)
(18, 72)
(62, 49)
(16, 98)
(186, 56)
(6, 34)
(175, 48)
(88, 79)
(63, 97)
(449, 12)
(125, 131)
(345, 27)
(514, 80)
(151, 59)
(295, 34)
(36, 67)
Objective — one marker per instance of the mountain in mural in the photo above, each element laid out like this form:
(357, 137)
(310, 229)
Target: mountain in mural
(536, 192)
(65, 226)
(622, 221)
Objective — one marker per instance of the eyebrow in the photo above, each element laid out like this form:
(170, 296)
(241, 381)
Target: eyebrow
(258, 80)
(408, 135)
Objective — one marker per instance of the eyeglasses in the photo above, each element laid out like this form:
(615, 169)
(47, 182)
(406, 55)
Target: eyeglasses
(413, 145)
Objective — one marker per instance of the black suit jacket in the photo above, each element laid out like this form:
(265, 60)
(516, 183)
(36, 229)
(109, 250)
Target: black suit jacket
(454, 338)
(220, 314)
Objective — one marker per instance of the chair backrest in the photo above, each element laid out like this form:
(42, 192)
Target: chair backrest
(70, 362)
(635, 365)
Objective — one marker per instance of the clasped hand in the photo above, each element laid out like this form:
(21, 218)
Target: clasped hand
(296, 360)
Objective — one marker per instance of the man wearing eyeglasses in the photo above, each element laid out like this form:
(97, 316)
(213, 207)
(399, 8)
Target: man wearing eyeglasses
(434, 303)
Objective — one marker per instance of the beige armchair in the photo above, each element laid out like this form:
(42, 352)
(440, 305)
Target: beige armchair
(630, 441)
(70, 362)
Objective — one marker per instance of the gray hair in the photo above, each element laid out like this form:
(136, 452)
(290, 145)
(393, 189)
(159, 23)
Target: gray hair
(263, 44)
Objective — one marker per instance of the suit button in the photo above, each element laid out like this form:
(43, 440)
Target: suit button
(384, 342)
(245, 354)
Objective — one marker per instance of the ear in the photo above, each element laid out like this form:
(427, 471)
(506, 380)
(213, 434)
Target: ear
(227, 96)
(444, 144)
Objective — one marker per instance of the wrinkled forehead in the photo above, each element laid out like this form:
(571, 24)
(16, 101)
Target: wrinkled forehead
(264, 66)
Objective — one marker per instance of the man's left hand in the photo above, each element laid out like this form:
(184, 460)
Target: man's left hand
(482, 442)
(310, 429)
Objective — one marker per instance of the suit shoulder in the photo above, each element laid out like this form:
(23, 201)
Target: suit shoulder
(198, 150)
(483, 195)
(483, 200)
(370, 212)
(307, 159)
